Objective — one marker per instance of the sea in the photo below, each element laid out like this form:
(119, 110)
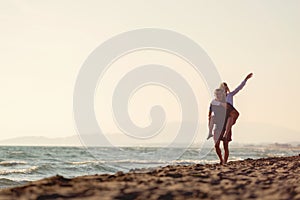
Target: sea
(22, 164)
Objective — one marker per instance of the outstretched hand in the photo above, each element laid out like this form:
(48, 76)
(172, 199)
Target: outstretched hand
(249, 76)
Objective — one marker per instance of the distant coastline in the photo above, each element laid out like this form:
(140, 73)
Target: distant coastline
(75, 141)
(244, 134)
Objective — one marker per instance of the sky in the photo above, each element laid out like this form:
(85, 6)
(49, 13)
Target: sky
(45, 43)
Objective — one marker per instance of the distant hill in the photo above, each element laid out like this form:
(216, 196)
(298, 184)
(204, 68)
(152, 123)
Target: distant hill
(243, 133)
(264, 133)
(42, 141)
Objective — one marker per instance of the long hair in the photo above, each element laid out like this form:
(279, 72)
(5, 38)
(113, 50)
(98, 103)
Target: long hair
(224, 87)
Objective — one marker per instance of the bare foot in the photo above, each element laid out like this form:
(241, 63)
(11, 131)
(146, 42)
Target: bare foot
(209, 136)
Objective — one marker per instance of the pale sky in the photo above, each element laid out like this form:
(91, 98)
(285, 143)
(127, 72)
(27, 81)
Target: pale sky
(44, 43)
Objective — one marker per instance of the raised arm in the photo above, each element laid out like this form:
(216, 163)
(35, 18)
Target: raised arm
(234, 92)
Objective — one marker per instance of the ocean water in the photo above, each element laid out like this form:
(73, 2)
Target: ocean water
(20, 164)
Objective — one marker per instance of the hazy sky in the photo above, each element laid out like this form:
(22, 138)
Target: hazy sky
(44, 43)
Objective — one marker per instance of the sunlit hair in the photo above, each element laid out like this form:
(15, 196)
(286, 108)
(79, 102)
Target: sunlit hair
(224, 87)
(221, 91)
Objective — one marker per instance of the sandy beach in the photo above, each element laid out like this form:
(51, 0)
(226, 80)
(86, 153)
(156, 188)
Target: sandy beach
(266, 178)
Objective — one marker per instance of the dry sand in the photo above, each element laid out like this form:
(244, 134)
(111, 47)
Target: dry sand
(269, 178)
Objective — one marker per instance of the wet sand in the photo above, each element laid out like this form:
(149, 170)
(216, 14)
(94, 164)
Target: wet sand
(268, 178)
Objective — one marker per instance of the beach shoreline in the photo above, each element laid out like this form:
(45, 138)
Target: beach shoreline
(264, 178)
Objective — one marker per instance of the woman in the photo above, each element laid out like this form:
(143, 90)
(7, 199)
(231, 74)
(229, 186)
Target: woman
(218, 117)
(233, 114)
(225, 116)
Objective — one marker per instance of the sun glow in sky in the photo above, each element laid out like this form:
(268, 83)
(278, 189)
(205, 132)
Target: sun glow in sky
(44, 43)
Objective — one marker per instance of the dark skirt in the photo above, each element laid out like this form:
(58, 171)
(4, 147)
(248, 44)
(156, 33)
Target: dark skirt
(221, 126)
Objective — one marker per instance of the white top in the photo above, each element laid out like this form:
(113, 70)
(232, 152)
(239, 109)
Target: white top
(215, 103)
(229, 97)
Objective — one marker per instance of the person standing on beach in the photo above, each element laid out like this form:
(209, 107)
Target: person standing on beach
(234, 114)
(231, 115)
(217, 116)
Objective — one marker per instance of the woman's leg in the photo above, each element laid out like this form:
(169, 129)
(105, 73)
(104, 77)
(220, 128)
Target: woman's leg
(218, 151)
(233, 115)
(228, 127)
(226, 150)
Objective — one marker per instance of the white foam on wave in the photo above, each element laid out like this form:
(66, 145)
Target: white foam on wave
(85, 162)
(12, 162)
(162, 162)
(16, 152)
(19, 171)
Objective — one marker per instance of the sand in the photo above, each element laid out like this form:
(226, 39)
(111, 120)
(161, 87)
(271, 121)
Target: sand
(268, 178)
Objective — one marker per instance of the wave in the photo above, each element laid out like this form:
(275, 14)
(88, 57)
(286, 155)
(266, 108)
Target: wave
(16, 152)
(186, 161)
(12, 163)
(274, 154)
(159, 162)
(85, 162)
(117, 162)
(19, 171)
